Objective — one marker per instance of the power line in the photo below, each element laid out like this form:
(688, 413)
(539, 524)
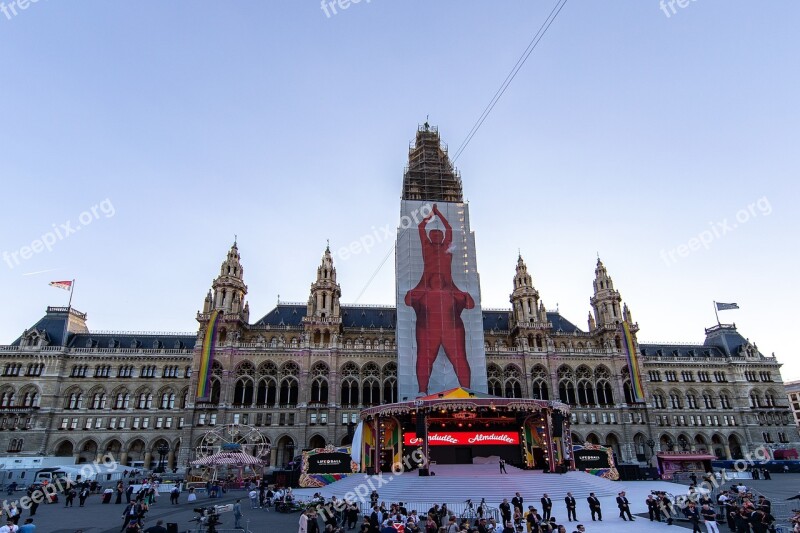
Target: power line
(511, 75)
(488, 109)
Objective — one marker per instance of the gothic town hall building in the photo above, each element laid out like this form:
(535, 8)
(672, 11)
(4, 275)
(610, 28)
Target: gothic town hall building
(301, 373)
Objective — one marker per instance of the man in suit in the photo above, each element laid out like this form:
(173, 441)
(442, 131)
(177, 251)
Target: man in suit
(624, 507)
(516, 501)
(571, 506)
(547, 505)
(693, 515)
(652, 508)
(594, 507)
(505, 510)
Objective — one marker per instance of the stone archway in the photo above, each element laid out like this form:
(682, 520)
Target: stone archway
(88, 452)
(317, 441)
(285, 451)
(64, 449)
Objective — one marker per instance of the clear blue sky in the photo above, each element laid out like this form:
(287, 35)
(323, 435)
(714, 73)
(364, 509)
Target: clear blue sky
(627, 132)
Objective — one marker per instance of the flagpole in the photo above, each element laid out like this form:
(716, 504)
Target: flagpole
(71, 289)
(716, 313)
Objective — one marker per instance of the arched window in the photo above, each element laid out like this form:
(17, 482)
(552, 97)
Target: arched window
(605, 395)
(349, 390)
(243, 391)
(513, 389)
(566, 392)
(585, 392)
(98, 400)
(495, 387)
(319, 390)
(539, 390)
(370, 392)
(267, 393)
(288, 392)
(167, 400)
(627, 389)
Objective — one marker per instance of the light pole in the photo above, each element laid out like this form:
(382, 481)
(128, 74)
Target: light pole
(651, 444)
(163, 450)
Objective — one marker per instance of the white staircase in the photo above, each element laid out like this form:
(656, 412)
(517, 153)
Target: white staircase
(455, 484)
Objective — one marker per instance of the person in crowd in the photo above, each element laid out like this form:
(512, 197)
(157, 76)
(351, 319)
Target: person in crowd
(594, 507)
(580, 529)
(547, 506)
(572, 505)
(624, 507)
(709, 517)
(83, 494)
(28, 526)
(532, 519)
(666, 507)
(693, 515)
(302, 523)
(505, 511)
(652, 508)
(517, 501)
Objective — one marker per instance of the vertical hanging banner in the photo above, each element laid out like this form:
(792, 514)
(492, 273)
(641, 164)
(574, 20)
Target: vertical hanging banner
(207, 358)
(633, 364)
(439, 318)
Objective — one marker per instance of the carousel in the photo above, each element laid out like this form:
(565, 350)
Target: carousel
(462, 426)
(231, 451)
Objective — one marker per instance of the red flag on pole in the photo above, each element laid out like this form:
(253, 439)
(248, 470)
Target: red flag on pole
(66, 285)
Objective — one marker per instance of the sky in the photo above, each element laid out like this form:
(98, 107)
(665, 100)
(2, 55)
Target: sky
(663, 139)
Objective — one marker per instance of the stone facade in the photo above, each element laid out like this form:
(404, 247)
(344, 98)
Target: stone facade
(302, 373)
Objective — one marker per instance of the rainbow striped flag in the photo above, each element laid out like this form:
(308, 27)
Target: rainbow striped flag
(633, 364)
(207, 358)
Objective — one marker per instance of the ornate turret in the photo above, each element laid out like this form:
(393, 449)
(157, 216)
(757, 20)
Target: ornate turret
(323, 302)
(227, 295)
(525, 298)
(229, 290)
(606, 301)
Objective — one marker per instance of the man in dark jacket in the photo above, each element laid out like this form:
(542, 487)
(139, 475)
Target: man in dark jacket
(693, 515)
(571, 506)
(594, 507)
(547, 505)
(505, 511)
(652, 508)
(624, 507)
(517, 501)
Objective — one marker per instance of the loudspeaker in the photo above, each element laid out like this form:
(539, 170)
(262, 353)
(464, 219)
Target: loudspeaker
(558, 424)
(420, 426)
(424, 472)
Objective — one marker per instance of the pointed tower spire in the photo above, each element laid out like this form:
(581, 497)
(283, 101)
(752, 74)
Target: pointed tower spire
(525, 298)
(229, 289)
(430, 175)
(323, 302)
(606, 300)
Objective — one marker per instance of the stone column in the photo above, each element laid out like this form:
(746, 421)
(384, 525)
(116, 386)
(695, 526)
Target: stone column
(148, 456)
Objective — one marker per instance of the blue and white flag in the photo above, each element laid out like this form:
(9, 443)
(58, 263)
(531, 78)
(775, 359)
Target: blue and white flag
(724, 307)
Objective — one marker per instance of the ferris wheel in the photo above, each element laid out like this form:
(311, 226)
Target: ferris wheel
(234, 437)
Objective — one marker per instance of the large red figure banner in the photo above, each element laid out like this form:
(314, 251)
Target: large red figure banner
(440, 342)
(438, 304)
